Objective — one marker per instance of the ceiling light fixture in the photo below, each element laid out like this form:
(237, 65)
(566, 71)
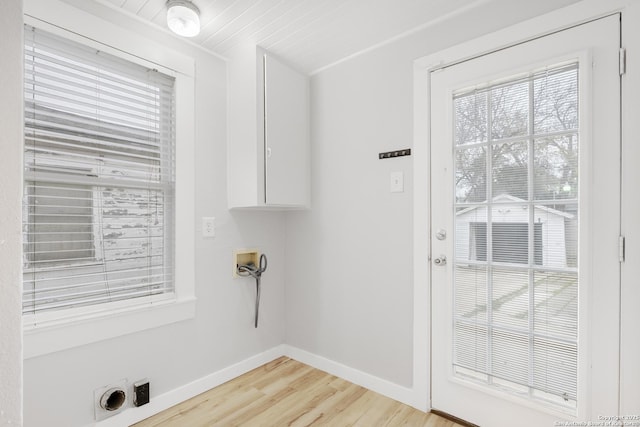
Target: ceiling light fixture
(183, 18)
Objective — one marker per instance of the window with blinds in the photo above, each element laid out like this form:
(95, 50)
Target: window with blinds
(99, 149)
(516, 235)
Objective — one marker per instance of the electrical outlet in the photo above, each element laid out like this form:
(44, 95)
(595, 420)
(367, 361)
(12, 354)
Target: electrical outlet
(208, 226)
(141, 393)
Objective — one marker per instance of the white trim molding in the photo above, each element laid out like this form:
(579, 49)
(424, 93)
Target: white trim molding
(363, 379)
(171, 398)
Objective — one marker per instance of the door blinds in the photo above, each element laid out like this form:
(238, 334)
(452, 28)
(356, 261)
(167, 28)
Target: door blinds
(516, 213)
(99, 177)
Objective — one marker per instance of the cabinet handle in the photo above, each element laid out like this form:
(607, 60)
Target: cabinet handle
(268, 152)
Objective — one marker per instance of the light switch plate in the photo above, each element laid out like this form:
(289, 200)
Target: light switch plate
(397, 182)
(208, 226)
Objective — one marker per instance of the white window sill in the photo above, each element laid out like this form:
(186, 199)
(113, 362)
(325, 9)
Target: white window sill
(52, 336)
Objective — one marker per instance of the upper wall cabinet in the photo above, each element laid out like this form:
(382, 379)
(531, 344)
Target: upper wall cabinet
(268, 145)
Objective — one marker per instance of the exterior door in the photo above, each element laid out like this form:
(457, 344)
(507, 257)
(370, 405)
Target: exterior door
(525, 196)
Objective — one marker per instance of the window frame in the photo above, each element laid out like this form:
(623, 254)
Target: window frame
(58, 330)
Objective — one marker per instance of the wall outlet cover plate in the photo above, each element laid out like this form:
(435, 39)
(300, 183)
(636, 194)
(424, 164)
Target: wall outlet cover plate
(141, 393)
(397, 182)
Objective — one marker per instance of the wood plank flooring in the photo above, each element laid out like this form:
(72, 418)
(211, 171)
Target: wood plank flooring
(286, 392)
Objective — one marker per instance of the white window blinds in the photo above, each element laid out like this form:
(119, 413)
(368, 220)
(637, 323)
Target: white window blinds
(99, 177)
(516, 236)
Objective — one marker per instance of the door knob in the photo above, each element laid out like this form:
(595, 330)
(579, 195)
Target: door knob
(440, 261)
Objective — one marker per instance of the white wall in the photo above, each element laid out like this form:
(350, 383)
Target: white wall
(10, 205)
(59, 387)
(349, 281)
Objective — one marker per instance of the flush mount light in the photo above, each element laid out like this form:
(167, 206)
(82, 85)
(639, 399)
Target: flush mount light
(183, 18)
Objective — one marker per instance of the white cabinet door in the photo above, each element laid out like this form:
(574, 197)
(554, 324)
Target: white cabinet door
(268, 146)
(286, 129)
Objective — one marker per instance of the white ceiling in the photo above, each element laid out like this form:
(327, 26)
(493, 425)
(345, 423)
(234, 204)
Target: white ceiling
(312, 34)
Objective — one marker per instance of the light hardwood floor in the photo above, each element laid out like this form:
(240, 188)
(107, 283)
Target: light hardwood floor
(286, 392)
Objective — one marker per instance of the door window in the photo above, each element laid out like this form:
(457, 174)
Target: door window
(516, 180)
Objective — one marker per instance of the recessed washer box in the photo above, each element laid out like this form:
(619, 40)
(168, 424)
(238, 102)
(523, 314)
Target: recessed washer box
(244, 257)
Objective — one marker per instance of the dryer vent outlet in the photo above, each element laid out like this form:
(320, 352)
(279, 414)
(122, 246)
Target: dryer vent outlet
(110, 400)
(113, 399)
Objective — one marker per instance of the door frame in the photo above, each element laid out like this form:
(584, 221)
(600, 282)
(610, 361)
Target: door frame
(581, 12)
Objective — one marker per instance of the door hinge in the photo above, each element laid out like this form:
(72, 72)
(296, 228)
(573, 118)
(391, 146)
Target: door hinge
(621, 248)
(622, 55)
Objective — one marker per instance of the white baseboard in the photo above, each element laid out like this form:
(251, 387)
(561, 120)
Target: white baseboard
(394, 391)
(165, 401)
